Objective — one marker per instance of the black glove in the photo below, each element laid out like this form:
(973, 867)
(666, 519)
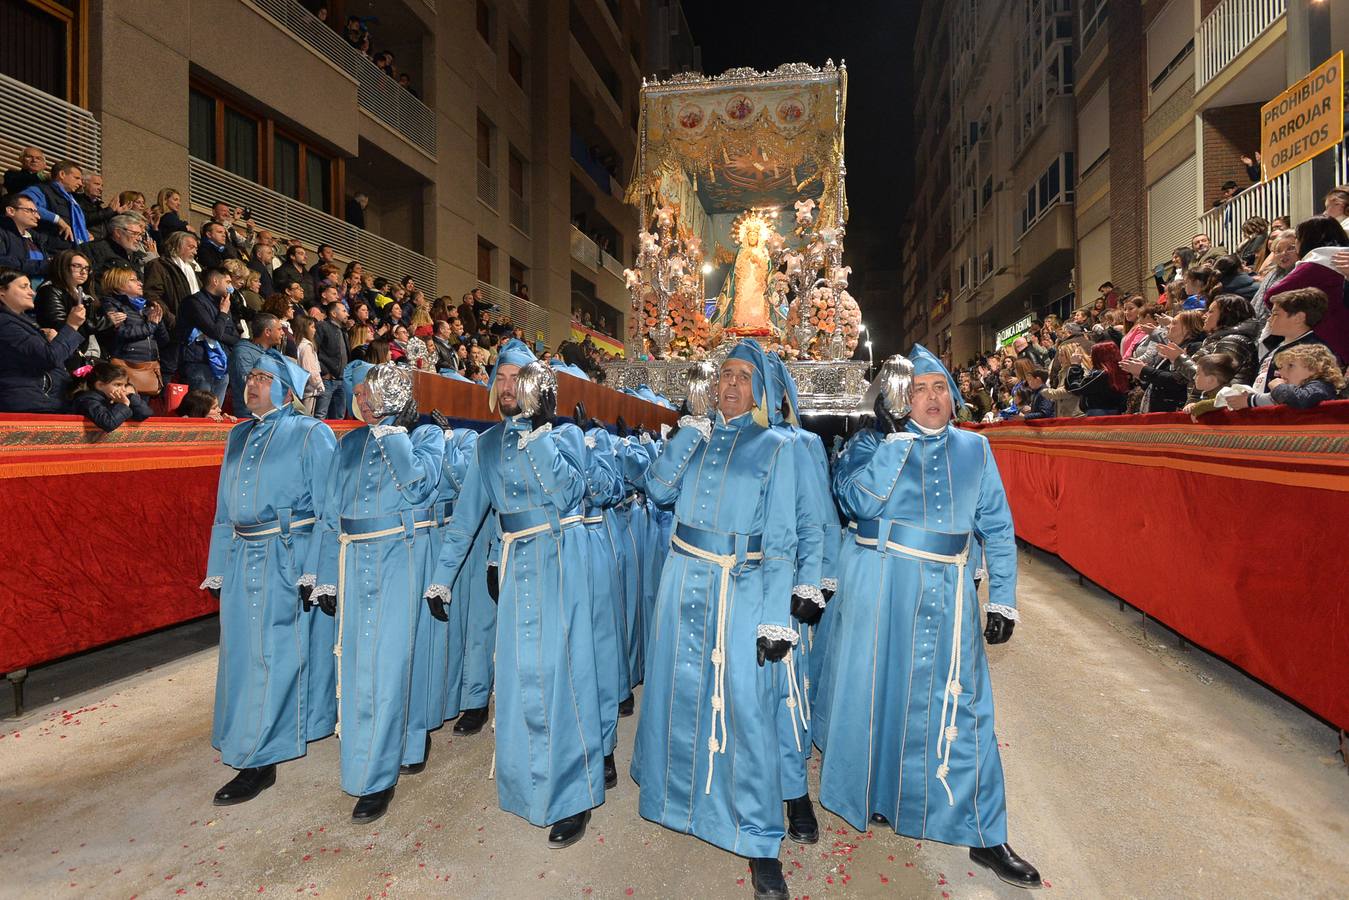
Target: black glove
(493, 582)
(886, 423)
(998, 629)
(214, 592)
(828, 594)
(805, 610)
(438, 609)
(621, 427)
(306, 590)
(327, 603)
(579, 414)
(772, 651)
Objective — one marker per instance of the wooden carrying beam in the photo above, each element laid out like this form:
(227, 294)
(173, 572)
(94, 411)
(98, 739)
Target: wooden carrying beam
(462, 400)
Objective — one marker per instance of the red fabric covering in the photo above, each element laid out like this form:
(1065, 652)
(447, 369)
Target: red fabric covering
(1229, 531)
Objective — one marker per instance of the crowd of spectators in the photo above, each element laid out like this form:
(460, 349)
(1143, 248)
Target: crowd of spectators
(357, 33)
(103, 306)
(1266, 324)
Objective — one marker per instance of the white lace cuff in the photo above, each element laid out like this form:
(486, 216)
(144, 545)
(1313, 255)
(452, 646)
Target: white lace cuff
(534, 435)
(1007, 612)
(305, 581)
(700, 424)
(215, 581)
(810, 592)
(380, 431)
(829, 584)
(644, 439)
(778, 633)
(894, 436)
(664, 431)
(449, 433)
(591, 442)
(324, 590)
(440, 591)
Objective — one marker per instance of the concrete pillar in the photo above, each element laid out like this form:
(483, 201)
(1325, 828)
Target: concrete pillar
(1309, 45)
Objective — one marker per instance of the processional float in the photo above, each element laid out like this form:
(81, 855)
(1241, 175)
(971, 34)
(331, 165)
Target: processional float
(739, 180)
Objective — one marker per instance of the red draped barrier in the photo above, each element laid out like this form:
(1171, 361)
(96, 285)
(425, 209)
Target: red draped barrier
(108, 533)
(1229, 531)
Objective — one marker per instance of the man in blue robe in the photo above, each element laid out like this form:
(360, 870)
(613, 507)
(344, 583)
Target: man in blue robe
(549, 758)
(706, 756)
(915, 745)
(274, 683)
(372, 566)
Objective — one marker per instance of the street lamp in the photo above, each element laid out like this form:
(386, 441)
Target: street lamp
(870, 360)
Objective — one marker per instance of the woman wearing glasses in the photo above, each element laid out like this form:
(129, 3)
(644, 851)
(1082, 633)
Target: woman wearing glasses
(64, 287)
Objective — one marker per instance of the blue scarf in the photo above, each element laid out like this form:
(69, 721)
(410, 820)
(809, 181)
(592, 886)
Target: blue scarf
(77, 225)
(138, 302)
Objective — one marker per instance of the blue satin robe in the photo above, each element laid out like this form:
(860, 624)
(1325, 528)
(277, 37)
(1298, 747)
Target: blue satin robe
(604, 489)
(475, 616)
(893, 644)
(274, 678)
(742, 481)
(634, 514)
(391, 690)
(549, 759)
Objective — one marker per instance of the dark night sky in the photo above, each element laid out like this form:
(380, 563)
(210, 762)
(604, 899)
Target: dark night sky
(875, 39)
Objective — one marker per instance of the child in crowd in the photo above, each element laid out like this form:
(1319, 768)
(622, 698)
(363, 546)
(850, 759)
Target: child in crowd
(1307, 375)
(1214, 371)
(203, 405)
(107, 398)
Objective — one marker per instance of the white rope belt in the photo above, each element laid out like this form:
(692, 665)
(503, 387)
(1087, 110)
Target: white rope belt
(951, 694)
(798, 704)
(726, 563)
(344, 540)
(593, 520)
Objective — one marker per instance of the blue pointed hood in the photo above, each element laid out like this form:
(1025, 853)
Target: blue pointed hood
(763, 384)
(514, 352)
(287, 375)
(786, 385)
(925, 363)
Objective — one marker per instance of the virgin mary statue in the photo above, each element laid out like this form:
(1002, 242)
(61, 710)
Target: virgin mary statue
(745, 299)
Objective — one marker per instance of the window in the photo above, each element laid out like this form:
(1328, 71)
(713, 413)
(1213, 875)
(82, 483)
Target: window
(241, 144)
(1055, 185)
(987, 193)
(483, 14)
(1093, 19)
(515, 63)
(318, 180)
(286, 167)
(201, 126)
(518, 276)
(484, 141)
(485, 261)
(516, 174)
(40, 45)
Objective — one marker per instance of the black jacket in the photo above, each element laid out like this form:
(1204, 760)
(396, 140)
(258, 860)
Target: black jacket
(171, 222)
(53, 304)
(166, 283)
(106, 253)
(330, 344)
(108, 415)
(265, 285)
(1271, 350)
(137, 338)
(17, 180)
(57, 203)
(1240, 284)
(33, 375)
(1095, 390)
(202, 312)
(96, 215)
(1166, 388)
(209, 256)
(14, 249)
(1041, 407)
(288, 272)
(1237, 342)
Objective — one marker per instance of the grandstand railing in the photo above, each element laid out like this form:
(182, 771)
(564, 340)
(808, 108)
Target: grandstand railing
(376, 93)
(1266, 199)
(293, 219)
(33, 118)
(1227, 31)
(527, 314)
(588, 253)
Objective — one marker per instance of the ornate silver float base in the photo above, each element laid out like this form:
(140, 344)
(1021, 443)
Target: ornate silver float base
(825, 387)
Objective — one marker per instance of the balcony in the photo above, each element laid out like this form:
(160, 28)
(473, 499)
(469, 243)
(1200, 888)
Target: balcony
(524, 313)
(1267, 199)
(376, 93)
(592, 166)
(588, 253)
(487, 186)
(519, 213)
(293, 219)
(1227, 31)
(30, 117)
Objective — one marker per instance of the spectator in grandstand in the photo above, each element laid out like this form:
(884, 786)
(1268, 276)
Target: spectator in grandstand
(1336, 205)
(1165, 389)
(32, 170)
(62, 289)
(1252, 164)
(1204, 250)
(203, 405)
(21, 247)
(1173, 271)
(170, 203)
(1225, 193)
(1212, 373)
(215, 246)
(267, 332)
(1037, 405)
(205, 336)
(249, 293)
(33, 376)
(1291, 323)
(284, 309)
(1230, 328)
(96, 212)
(1101, 385)
(105, 397)
(172, 278)
(139, 335)
(62, 219)
(122, 246)
(330, 342)
(355, 209)
(1319, 238)
(260, 261)
(325, 255)
(1307, 375)
(307, 357)
(362, 331)
(238, 227)
(442, 339)
(293, 271)
(1255, 239)
(1228, 277)
(1197, 280)
(1280, 260)
(1137, 325)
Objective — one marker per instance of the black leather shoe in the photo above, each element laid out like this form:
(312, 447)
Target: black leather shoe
(568, 831)
(245, 786)
(766, 876)
(625, 707)
(878, 819)
(1004, 862)
(471, 722)
(371, 806)
(610, 773)
(415, 768)
(801, 824)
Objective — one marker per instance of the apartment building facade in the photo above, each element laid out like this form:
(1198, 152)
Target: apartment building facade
(522, 128)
